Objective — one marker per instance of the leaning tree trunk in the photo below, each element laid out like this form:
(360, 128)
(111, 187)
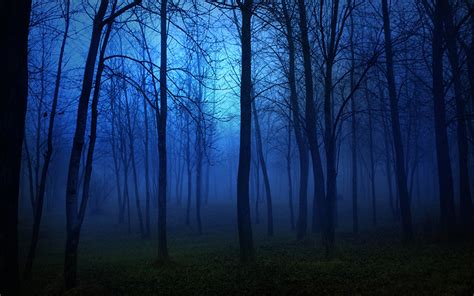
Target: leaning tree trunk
(38, 205)
(72, 240)
(263, 165)
(15, 26)
(243, 206)
(405, 209)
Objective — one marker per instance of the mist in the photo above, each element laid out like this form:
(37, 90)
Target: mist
(237, 147)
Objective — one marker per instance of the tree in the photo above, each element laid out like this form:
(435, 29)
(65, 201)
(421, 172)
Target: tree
(161, 116)
(38, 204)
(243, 174)
(465, 205)
(75, 218)
(310, 125)
(263, 165)
(14, 52)
(296, 116)
(405, 209)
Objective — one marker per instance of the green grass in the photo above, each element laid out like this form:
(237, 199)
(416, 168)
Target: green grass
(111, 262)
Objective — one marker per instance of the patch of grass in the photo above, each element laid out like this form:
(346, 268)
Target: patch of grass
(111, 262)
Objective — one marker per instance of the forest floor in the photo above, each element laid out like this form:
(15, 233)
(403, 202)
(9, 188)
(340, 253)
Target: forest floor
(113, 262)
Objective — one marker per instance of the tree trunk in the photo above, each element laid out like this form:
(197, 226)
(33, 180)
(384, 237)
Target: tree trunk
(372, 161)
(465, 205)
(257, 190)
(15, 26)
(189, 171)
(263, 165)
(161, 117)
(147, 174)
(405, 209)
(134, 167)
(310, 120)
(199, 146)
(355, 211)
(290, 181)
(76, 151)
(116, 166)
(296, 115)
(38, 205)
(243, 206)
(445, 177)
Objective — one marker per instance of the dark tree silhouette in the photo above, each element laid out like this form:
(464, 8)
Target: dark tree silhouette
(14, 52)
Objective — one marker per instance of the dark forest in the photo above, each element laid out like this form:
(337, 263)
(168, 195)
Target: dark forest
(237, 147)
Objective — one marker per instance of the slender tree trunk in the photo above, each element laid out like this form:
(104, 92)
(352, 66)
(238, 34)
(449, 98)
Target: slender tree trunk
(134, 167)
(206, 186)
(38, 205)
(295, 108)
(39, 117)
(147, 174)
(243, 206)
(161, 117)
(15, 26)
(330, 135)
(355, 211)
(388, 169)
(372, 161)
(290, 181)
(257, 189)
(116, 166)
(189, 171)
(126, 194)
(30, 176)
(74, 230)
(70, 263)
(405, 209)
(199, 146)
(198, 178)
(465, 205)
(310, 121)
(263, 165)
(445, 177)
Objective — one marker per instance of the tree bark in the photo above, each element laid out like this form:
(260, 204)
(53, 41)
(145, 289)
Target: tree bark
(310, 124)
(263, 165)
(296, 115)
(14, 52)
(290, 181)
(445, 177)
(405, 209)
(354, 179)
(161, 117)
(465, 205)
(134, 167)
(243, 206)
(70, 263)
(147, 174)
